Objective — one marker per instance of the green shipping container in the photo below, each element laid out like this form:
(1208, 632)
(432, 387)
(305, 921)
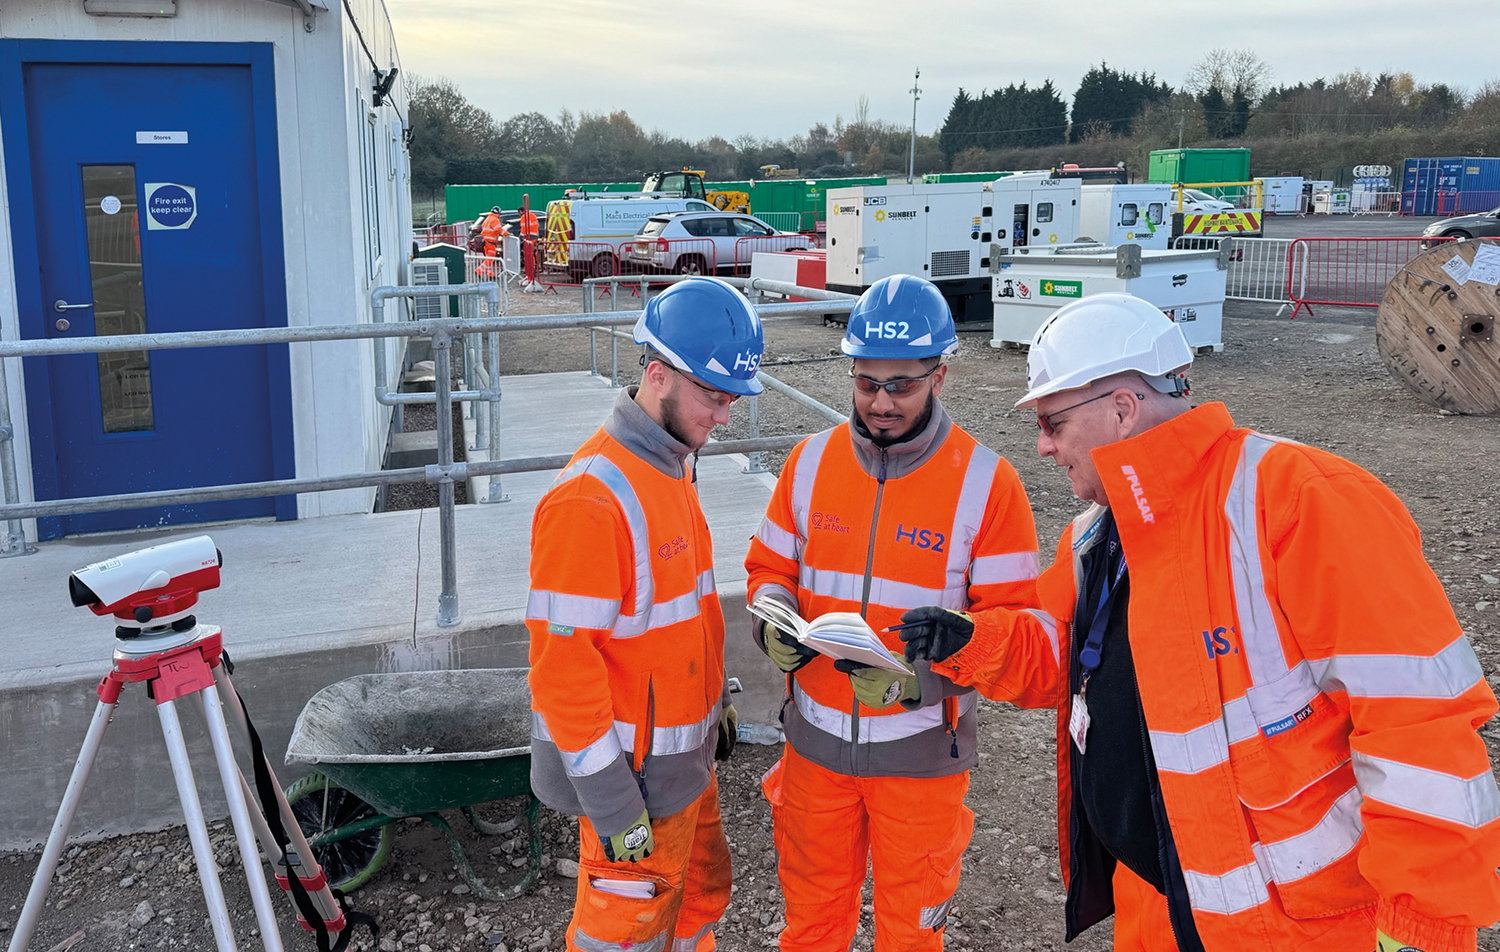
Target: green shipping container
(1197, 166)
(468, 202)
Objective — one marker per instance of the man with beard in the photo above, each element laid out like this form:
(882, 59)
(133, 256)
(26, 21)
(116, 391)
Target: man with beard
(897, 508)
(630, 706)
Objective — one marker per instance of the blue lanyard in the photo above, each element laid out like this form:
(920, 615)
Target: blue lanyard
(1092, 652)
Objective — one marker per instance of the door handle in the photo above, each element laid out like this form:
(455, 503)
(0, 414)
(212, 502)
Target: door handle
(61, 305)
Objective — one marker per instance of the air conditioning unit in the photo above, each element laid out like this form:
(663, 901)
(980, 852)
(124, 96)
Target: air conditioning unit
(426, 272)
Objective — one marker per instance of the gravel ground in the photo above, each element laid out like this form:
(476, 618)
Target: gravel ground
(1316, 380)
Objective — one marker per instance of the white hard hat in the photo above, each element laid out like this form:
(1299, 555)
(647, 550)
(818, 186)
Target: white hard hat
(1101, 335)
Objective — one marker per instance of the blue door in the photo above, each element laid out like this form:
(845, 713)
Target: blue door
(155, 208)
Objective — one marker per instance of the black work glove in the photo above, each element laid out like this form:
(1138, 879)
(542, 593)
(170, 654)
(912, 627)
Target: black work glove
(940, 633)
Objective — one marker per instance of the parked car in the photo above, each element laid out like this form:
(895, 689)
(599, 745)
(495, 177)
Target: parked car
(680, 242)
(1196, 202)
(1476, 225)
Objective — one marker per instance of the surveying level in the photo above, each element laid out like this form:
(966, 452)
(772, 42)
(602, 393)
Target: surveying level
(150, 593)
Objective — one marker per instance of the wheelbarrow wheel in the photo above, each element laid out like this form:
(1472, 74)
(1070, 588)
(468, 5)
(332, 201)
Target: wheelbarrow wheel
(349, 862)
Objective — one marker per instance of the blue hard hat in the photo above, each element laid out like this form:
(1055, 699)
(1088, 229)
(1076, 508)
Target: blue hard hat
(704, 327)
(899, 318)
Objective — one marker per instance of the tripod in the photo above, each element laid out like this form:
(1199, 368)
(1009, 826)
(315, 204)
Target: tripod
(176, 661)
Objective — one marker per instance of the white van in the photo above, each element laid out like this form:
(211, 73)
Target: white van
(1127, 214)
(585, 232)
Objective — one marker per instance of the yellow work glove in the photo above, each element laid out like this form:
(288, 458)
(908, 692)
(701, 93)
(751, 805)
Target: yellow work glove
(786, 651)
(632, 844)
(877, 687)
(1384, 943)
(729, 732)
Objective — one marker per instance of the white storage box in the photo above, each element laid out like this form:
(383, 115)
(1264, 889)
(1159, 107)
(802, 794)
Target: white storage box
(1031, 283)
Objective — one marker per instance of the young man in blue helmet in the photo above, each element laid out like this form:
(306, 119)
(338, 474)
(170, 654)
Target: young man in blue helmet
(897, 508)
(629, 700)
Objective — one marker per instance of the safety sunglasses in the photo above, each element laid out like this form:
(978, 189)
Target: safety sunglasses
(716, 397)
(1044, 421)
(896, 386)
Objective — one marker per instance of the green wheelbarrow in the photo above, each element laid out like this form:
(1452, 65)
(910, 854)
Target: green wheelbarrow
(391, 746)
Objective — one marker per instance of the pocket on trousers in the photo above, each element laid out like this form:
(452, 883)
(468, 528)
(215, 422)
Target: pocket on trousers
(618, 906)
(770, 782)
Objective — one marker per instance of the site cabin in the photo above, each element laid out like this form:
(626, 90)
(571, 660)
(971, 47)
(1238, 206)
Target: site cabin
(207, 166)
(943, 232)
(1122, 214)
(584, 232)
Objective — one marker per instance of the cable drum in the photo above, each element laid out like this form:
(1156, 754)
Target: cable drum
(1437, 335)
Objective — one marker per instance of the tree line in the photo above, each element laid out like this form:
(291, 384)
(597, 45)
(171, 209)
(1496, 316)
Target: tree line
(1226, 99)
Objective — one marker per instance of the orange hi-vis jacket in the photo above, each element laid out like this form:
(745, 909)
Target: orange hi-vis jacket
(627, 635)
(490, 230)
(1310, 698)
(937, 520)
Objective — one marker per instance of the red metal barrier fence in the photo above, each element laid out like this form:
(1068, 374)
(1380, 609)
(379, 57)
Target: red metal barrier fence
(745, 248)
(1464, 203)
(1346, 272)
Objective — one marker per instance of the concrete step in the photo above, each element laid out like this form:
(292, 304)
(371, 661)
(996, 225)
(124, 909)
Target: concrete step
(413, 449)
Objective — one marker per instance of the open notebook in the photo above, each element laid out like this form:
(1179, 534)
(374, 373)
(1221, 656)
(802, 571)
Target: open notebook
(842, 635)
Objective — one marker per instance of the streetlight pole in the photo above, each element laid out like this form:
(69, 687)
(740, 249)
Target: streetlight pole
(911, 165)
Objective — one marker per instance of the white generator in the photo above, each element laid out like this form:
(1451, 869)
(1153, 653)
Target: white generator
(1120, 214)
(944, 232)
(1029, 284)
(1282, 194)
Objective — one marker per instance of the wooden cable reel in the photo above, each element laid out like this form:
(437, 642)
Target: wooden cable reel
(1437, 336)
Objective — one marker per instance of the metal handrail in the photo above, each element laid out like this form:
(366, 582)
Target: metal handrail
(444, 473)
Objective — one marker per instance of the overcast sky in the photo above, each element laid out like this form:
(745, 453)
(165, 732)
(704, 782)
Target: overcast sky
(772, 68)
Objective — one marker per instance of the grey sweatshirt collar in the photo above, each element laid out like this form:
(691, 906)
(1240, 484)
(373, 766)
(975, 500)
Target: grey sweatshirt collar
(644, 437)
(904, 457)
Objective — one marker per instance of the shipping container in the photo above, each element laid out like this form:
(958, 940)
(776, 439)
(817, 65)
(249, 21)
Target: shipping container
(1457, 185)
(468, 202)
(1197, 166)
(944, 178)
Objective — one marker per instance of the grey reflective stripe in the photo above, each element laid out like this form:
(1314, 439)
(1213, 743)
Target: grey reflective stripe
(968, 513)
(1471, 802)
(1235, 891)
(690, 943)
(1280, 689)
(783, 543)
(679, 739)
(571, 611)
(889, 593)
(806, 477)
(1049, 625)
(1010, 567)
(933, 917)
(604, 470)
(661, 614)
(1332, 838)
(588, 943)
(874, 729)
(1445, 675)
(580, 763)
(1187, 753)
(1239, 720)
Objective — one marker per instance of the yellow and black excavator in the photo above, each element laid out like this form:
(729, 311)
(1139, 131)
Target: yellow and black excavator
(688, 183)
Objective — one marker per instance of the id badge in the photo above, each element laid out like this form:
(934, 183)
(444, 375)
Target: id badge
(1078, 723)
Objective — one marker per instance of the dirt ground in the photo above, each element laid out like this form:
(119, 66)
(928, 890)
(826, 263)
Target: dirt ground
(1318, 380)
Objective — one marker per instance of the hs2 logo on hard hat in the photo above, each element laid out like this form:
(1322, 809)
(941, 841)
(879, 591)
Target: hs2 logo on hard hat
(1140, 494)
(749, 360)
(888, 330)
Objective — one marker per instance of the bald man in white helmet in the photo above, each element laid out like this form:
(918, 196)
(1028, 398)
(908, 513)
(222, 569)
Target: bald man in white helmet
(1267, 711)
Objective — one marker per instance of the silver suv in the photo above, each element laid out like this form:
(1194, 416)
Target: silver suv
(703, 242)
(1476, 225)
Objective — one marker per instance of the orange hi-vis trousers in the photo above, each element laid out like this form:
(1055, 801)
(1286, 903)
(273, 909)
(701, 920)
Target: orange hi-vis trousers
(827, 826)
(689, 875)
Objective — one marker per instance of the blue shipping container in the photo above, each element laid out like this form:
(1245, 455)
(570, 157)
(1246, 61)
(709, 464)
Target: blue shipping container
(1455, 185)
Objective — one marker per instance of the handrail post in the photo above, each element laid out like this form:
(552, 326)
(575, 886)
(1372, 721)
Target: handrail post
(15, 536)
(754, 458)
(442, 342)
(496, 493)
